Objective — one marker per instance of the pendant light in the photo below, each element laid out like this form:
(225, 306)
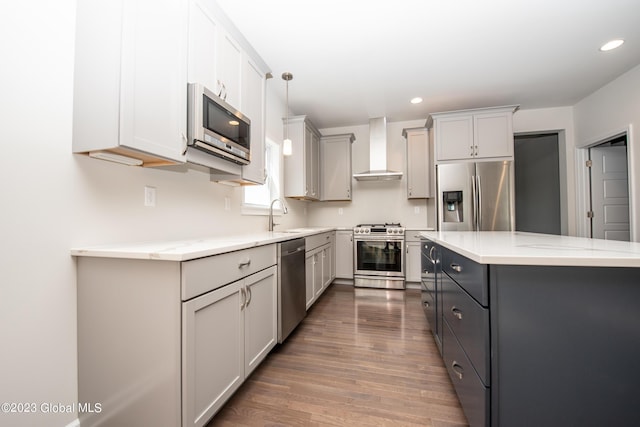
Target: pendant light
(287, 148)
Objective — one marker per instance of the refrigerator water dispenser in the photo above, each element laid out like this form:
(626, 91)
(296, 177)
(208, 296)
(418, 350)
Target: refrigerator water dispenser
(452, 203)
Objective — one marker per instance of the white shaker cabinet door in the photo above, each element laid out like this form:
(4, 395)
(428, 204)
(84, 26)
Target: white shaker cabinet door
(344, 254)
(419, 167)
(213, 351)
(260, 317)
(253, 105)
(493, 134)
(154, 71)
(454, 137)
(309, 271)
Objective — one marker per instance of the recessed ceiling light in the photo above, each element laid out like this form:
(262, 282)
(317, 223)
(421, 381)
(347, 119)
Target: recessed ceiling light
(416, 100)
(611, 45)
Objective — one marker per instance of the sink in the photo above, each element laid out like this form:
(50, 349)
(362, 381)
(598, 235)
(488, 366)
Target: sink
(289, 231)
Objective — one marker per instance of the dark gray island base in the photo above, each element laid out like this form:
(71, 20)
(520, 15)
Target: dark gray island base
(566, 346)
(537, 345)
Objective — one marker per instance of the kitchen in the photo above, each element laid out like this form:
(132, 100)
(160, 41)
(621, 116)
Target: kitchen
(89, 201)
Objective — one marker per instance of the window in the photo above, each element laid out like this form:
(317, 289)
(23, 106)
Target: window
(257, 198)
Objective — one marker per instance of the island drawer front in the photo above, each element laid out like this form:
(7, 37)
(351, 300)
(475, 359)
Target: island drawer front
(470, 323)
(317, 240)
(470, 275)
(429, 307)
(206, 274)
(473, 395)
(428, 274)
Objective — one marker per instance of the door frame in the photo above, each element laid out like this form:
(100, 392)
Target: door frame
(583, 181)
(564, 170)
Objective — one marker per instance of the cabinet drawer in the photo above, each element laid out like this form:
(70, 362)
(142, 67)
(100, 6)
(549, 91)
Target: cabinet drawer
(470, 275)
(473, 395)
(470, 323)
(317, 240)
(429, 307)
(205, 274)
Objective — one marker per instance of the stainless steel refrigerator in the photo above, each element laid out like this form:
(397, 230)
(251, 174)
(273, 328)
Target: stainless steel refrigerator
(476, 196)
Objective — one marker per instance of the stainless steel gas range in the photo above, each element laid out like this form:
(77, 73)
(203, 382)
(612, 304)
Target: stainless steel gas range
(379, 256)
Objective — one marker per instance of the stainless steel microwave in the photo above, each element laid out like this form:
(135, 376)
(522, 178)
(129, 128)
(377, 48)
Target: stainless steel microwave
(215, 127)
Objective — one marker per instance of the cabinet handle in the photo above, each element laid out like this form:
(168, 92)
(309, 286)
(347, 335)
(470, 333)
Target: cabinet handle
(433, 248)
(456, 312)
(426, 304)
(243, 298)
(249, 295)
(457, 368)
(407, 249)
(245, 264)
(476, 153)
(456, 267)
(471, 153)
(219, 83)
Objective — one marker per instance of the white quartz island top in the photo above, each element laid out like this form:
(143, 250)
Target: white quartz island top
(185, 250)
(519, 248)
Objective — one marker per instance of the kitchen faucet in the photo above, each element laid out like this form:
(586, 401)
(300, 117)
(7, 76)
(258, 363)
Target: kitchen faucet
(284, 210)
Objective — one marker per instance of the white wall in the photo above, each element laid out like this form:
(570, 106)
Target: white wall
(53, 200)
(611, 109)
(376, 201)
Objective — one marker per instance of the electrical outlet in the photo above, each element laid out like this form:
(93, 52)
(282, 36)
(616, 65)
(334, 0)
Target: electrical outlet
(227, 204)
(416, 210)
(340, 211)
(149, 196)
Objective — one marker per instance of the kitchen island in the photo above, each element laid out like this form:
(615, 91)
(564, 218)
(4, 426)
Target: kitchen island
(539, 330)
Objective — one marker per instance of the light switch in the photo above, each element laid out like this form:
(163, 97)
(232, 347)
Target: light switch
(340, 211)
(416, 210)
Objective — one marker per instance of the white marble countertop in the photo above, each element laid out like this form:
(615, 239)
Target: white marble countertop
(518, 248)
(184, 250)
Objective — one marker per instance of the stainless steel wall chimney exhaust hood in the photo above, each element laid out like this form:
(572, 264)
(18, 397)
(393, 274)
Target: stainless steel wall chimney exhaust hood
(378, 154)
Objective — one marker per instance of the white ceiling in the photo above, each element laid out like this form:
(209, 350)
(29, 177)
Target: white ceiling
(353, 60)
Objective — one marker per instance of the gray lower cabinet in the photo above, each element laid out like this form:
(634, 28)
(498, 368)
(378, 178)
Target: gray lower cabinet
(473, 394)
(216, 359)
(430, 287)
(319, 264)
(540, 345)
(466, 333)
(166, 343)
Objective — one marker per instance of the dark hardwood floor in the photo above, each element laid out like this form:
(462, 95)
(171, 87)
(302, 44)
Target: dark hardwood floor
(361, 357)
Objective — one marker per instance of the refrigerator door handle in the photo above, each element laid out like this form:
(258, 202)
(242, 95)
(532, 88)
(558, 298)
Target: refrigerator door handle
(479, 190)
(474, 202)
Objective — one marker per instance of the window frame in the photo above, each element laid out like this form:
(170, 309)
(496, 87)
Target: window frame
(261, 209)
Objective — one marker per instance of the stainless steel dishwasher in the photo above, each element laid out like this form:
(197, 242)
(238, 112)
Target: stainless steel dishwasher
(292, 300)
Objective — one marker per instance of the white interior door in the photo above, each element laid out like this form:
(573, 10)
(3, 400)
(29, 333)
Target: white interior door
(609, 193)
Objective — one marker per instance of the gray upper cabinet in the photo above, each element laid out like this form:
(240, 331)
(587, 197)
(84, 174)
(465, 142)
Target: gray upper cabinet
(335, 152)
(302, 167)
(130, 80)
(485, 133)
(219, 61)
(420, 176)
